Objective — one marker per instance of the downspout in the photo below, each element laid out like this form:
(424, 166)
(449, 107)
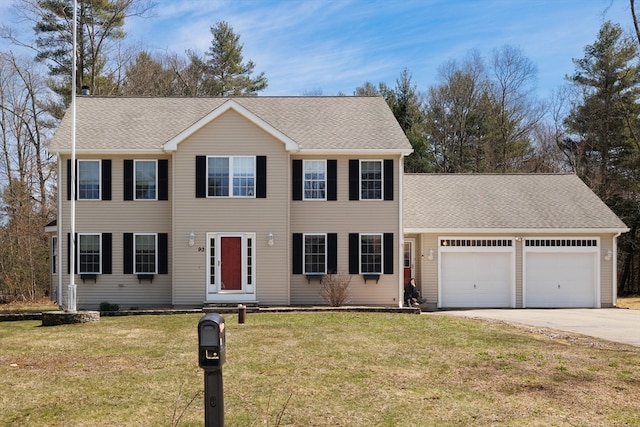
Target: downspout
(614, 270)
(401, 232)
(59, 233)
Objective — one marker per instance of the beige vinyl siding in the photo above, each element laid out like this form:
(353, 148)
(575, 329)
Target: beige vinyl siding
(231, 135)
(117, 216)
(344, 216)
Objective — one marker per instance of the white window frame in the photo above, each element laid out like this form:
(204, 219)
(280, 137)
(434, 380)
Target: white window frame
(135, 253)
(231, 176)
(360, 183)
(304, 252)
(79, 179)
(309, 163)
(79, 253)
(135, 179)
(380, 254)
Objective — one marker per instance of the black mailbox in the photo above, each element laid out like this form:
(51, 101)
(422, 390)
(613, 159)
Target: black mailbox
(211, 341)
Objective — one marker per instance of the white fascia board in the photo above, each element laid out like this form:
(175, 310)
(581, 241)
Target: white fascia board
(515, 230)
(355, 152)
(51, 229)
(111, 152)
(172, 144)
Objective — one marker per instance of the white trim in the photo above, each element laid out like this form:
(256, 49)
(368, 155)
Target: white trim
(379, 161)
(156, 255)
(135, 180)
(172, 144)
(535, 232)
(326, 180)
(77, 250)
(230, 176)
(79, 161)
(614, 270)
(248, 291)
(304, 252)
(355, 151)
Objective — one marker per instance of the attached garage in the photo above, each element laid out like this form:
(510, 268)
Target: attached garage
(561, 273)
(476, 273)
(510, 241)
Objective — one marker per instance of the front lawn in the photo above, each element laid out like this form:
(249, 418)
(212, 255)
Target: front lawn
(315, 369)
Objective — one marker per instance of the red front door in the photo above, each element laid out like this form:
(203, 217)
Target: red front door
(231, 263)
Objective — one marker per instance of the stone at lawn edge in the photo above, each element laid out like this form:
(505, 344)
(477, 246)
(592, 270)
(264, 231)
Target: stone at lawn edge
(54, 318)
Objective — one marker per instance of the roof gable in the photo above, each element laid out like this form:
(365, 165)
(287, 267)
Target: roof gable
(172, 144)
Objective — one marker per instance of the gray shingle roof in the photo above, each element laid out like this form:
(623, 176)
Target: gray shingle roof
(315, 123)
(503, 202)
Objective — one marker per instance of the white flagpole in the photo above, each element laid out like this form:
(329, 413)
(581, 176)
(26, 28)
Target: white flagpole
(71, 296)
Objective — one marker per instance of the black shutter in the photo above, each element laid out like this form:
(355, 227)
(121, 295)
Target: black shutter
(106, 179)
(128, 180)
(388, 179)
(261, 177)
(201, 176)
(297, 253)
(296, 179)
(354, 179)
(387, 248)
(354, 253)
(163, 179)
(107, 253)
(163, 253)
(75, 264)
(332, 253)
(127, 260)
(332, 180)
(69, 180)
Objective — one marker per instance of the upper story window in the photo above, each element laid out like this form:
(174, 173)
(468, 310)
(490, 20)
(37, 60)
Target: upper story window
(315, 253)
(146, 179)
(371, 180)
(315, 179)
(145, 253)
(231, 176)
(89, 177)
(89, 253)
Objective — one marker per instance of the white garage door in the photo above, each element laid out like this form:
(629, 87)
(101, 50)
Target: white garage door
(557, 277)
(476, 279)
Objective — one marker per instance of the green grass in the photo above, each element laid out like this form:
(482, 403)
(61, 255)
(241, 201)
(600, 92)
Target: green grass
(314, 369)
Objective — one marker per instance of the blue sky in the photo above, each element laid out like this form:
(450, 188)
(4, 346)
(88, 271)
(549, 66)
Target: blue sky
(334, 46)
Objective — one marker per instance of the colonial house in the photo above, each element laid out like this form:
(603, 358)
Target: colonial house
(186, 201)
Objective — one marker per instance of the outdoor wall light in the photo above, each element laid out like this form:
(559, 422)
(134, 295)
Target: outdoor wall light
(608, 256)
(270, 239)
(430, 257)
(192, 238)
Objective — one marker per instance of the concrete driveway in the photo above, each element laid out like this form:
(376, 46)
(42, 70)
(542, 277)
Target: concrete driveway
(613, 324)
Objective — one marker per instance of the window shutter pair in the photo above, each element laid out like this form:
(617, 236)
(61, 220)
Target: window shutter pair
(354, 179)
(261, 177)
(332, 253)
(298, 179)
(354, 253)
(129, 253)
(105, 179)
(163, 179)
(106, 253)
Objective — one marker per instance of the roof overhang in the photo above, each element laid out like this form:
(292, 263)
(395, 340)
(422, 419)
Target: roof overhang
(100, 152)
(357, 152)
(172, 144)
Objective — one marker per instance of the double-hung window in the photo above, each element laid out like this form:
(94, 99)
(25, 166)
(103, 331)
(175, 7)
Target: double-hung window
(145, 253)
(315, 253)
(54, 254)
(89, 179)
(89, 253)
(371, 253)
(371, 180)
(231, 176)
(146, 173)
(315, 179)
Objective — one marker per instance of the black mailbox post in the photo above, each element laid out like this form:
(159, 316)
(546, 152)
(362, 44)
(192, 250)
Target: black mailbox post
(211, 357)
